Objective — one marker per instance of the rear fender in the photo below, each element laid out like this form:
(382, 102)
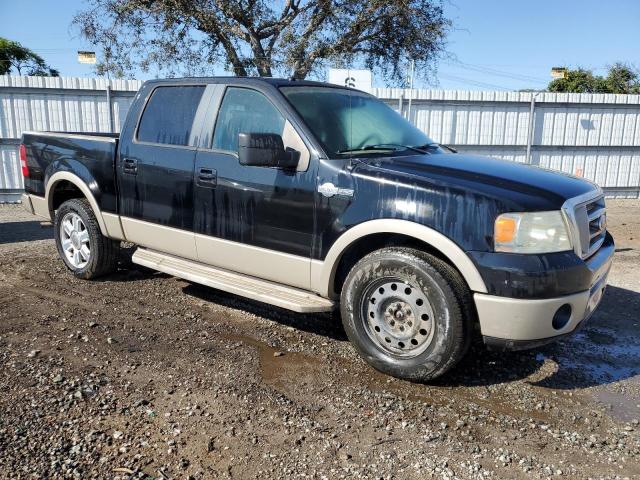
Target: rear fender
(64, 173)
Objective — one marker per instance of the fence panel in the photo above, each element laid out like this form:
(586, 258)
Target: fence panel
(589, 135)
(64, 104)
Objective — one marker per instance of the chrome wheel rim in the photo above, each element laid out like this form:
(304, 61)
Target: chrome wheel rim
(74, 238)
(398, 317)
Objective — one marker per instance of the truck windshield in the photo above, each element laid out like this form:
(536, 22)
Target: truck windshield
(352, 123)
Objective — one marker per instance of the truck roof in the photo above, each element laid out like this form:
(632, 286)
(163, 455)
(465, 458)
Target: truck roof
(278, 82)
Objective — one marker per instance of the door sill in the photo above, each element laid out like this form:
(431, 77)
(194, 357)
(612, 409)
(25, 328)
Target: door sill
(265, 291)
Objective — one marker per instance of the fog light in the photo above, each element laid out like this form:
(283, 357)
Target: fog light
(562, 316)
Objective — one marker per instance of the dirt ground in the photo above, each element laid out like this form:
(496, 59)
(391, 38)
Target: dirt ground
(142, 375)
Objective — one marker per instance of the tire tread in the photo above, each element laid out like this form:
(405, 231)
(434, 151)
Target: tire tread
(105, 251)
(460, 303)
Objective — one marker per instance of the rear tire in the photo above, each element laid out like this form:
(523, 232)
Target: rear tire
(407, 312)
(81, 245)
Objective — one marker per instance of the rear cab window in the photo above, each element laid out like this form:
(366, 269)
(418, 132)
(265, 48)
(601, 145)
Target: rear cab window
(168, 116)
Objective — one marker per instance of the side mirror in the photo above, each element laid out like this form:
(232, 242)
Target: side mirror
(265, 150)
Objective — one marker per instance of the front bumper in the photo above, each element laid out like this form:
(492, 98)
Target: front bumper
(513, 322)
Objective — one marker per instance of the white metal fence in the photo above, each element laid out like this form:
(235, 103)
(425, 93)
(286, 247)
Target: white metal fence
(596, 136)
(591, 135)
(63, 104)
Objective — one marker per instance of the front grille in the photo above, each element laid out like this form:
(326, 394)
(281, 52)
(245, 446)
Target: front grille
(597, 217)
(588, 221)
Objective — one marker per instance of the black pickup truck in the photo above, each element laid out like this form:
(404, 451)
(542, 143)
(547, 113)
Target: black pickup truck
(306, 195)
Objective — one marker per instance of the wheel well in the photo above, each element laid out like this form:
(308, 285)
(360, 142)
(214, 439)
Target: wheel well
(62, 191)
(367, 244)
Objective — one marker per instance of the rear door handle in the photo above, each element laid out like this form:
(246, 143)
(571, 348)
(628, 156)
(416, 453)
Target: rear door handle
(130, 166)
(207, 177)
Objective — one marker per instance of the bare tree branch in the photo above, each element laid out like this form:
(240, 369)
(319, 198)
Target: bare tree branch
(263, 37)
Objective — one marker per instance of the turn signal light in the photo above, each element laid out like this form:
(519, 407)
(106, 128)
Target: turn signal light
(505, 229)
(23, 161)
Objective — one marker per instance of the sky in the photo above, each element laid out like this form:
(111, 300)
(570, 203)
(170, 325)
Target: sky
(493, 45)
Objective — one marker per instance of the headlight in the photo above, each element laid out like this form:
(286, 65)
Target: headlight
(531, 232)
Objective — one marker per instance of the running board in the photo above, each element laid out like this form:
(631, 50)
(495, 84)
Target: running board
(244, 285)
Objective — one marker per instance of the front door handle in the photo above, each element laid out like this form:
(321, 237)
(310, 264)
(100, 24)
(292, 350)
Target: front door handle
(207, 177)
(130, 166)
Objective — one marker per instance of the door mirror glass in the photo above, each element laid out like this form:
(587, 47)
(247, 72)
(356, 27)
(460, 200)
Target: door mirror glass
(265, 150)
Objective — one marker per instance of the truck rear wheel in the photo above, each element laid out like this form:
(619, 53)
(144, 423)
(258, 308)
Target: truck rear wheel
(81, 245)
(407, 313)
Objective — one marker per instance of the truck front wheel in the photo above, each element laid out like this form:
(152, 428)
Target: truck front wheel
(81, 245)
(407, 313)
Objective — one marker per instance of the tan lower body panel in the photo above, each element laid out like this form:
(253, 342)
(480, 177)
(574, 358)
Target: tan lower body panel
(521, 319)
(113, 226)
(262, 290)
(158, 237)
(255, 261)
(36, 205)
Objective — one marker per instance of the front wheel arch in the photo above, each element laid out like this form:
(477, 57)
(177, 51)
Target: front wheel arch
(409, 233)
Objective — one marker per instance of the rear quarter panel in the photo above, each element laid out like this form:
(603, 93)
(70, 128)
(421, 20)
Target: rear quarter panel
(91, 157)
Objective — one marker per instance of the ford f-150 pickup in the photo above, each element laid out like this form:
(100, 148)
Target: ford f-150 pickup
(314, 197)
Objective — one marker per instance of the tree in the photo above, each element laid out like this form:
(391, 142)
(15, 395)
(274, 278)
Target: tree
(621, 78)
(264, 37)
(14, 56)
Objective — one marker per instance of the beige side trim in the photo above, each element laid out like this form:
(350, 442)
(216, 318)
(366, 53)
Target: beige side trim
(160, 237)
(322, 273)
(114, 228)
(259, 262)
(25, 200)
(518, 319)
(77, 181)
(39, 206)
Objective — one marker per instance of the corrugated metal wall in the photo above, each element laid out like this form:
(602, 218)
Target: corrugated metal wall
(590, 135)
(56, 104)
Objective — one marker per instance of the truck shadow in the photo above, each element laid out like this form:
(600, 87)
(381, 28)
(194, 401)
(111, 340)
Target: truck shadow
(604, 351)
(16, 232)
(324, 324)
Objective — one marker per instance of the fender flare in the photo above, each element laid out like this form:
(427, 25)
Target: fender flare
(82, 186)
(323, 272)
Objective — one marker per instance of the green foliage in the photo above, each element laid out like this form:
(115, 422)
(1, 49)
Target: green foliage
(15, 57)
(621, 78)
(263, 37)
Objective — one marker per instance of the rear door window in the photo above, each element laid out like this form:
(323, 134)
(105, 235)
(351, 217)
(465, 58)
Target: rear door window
(244, 111)
(168, 115)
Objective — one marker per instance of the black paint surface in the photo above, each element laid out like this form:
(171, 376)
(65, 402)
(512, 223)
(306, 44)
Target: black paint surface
(458, 195)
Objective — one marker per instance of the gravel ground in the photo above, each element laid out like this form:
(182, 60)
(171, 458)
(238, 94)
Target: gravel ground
(142, 375)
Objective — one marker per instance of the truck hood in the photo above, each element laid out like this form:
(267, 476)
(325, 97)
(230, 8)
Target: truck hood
(525, 187)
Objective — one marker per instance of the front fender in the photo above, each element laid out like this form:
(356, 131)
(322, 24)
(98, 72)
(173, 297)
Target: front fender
(323, 272)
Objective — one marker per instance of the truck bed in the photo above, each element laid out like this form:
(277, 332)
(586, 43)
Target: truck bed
(88, 155)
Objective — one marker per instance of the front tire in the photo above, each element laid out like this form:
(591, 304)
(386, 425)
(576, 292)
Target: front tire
(407, 313)
(81, 245)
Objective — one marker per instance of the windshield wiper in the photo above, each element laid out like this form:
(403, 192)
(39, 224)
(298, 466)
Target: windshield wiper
(383, 146)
